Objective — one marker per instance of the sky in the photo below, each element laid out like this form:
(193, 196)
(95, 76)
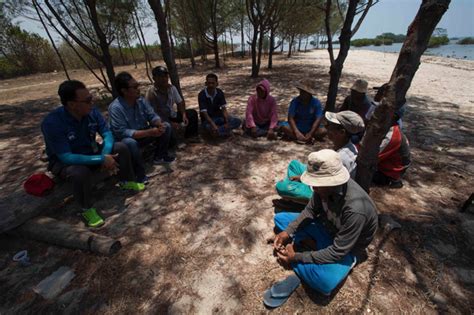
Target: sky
(396, 15)
(386, 16)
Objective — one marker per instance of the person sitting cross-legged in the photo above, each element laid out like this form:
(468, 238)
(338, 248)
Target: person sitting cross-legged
(133, 121)
(162, 96)
(323, 242)
(340, 128)
(305, 115)
(73, 153)
(213, 109)
(261, 117)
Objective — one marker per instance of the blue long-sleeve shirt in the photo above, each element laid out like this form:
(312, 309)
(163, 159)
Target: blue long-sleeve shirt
(124, 119)
(72, 141)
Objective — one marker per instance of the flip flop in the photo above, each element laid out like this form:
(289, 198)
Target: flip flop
(284, 288)
(273, 302)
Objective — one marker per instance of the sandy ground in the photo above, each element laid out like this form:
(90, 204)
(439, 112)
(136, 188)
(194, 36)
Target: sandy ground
(194, 241)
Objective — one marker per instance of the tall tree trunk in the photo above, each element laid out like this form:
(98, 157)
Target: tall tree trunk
(416, 42)
(35, 4)
(290, 46)
(166, 50)
(344, 45)
(191, 51)
(242, 37)
(271, 48)
(231, 43)
(306, 44)
(104, 46)
(215, 48)
(254, 52)
(299, 43)
(121, 52)
(259, 55)
(282, 45)
(144, 47)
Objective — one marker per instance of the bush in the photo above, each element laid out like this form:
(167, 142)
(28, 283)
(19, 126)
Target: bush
(466, 41)
(438, 41)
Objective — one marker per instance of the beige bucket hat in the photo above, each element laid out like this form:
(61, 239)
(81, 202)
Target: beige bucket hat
(360, 86)
(306, 85)
(325, 169)
(349, 120)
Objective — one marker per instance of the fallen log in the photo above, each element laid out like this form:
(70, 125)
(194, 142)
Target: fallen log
(52, 231)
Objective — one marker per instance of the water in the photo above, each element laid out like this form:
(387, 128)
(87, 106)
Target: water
(451, 50)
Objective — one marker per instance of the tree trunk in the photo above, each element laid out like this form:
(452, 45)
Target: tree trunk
(166, 50)
(282, 45)
(271, 49)
(259, 55)
(344, 45)
(191, 51)
(306, 44)
(215, 48)
(299, 44)
(254, 52)
(231, 44)
(416, 42)
(121, 52)
(242, 37)
(290, 46)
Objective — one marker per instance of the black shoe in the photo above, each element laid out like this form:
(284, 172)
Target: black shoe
(395, 184)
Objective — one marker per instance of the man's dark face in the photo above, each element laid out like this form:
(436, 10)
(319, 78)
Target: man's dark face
(82, 103)
(357, 97)
(211, 84)
(161, 80)
(324, 192)
(305, 96)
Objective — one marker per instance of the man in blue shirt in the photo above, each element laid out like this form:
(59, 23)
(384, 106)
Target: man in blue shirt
(304, 115)
(213, 111)
(73, 153)
(135, 123)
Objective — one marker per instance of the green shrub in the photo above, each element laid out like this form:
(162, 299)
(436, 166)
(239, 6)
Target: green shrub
(438, 41)
(466, 41)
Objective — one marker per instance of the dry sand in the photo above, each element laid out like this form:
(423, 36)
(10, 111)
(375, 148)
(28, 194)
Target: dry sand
(194, 241)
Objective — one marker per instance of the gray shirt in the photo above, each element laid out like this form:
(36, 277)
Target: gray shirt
(163, 104)
(349, 215)
(348, 154)
(124, 119)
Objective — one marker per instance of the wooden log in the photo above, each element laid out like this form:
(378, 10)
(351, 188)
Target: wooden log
(52, 231)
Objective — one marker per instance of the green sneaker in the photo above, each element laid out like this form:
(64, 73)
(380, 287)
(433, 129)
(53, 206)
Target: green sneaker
(92, 218)
(135, 186)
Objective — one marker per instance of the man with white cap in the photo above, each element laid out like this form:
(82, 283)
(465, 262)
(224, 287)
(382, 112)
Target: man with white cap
(358, 102)
(340, 127)
(322, 243)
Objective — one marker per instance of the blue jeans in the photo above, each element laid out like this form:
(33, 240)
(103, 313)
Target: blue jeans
(321, 277)
(233, 123)
(262, 129)
(134, 145)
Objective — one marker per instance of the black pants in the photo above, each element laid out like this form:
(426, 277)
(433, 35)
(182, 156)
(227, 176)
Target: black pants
(81, 175)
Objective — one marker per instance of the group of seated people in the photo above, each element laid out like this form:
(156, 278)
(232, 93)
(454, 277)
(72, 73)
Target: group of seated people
(321, 244)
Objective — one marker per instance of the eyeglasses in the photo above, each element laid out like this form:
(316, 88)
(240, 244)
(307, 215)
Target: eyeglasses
(88, 100)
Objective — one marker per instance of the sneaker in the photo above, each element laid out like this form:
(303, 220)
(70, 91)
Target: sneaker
(92, 218)
(135, 186)
(144, 180)
(164, 160)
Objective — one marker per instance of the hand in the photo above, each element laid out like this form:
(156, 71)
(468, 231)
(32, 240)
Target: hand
(300, 136)
(214, 129)
(157, 131)
(295, 178)
(253, 132)
(281, 240)
(185, 119)
(271, 135)
(109, 163)
(286, 256)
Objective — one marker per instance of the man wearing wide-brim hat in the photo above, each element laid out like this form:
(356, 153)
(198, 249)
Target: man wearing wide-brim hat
(304, 115)
(323, 242)
(358, 101)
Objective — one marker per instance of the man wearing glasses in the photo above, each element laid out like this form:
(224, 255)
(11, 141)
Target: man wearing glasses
(134, 122)
(73, 153)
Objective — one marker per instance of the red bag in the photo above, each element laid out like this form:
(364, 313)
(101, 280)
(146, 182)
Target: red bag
(38, 184)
